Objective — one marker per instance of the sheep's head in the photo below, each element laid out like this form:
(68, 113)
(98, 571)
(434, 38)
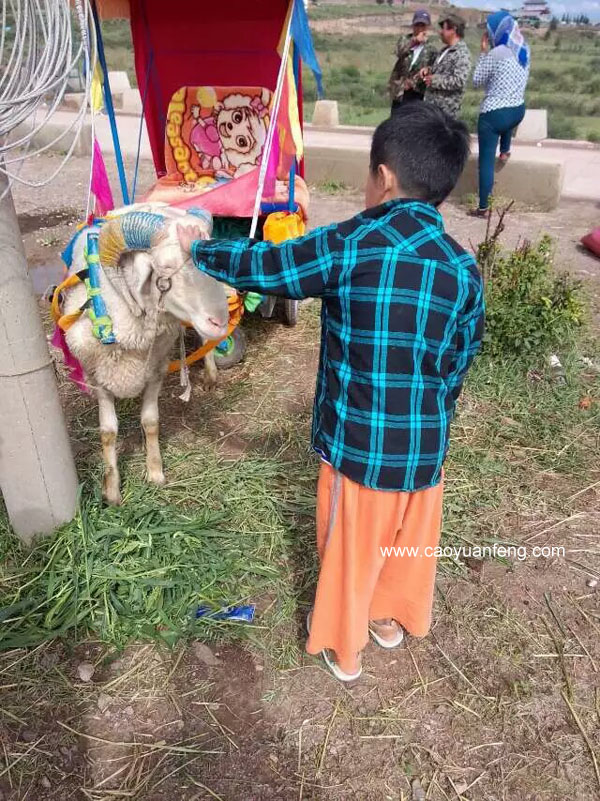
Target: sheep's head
(145, 246)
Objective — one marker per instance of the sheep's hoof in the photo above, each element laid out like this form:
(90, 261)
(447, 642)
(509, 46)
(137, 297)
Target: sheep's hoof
(156, 477)
(112, 497)
(210, 380)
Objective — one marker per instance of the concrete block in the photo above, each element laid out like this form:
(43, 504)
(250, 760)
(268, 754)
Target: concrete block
(536, 184)
(534, 127)
(326, 114)
(73, 100)
(75, 82)
(119, 81)
(128, 102)
(330, 164)
(51, 131)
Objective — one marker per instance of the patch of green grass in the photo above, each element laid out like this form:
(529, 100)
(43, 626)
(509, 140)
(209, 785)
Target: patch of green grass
(519, 442)
(332, 187)
(216, 535)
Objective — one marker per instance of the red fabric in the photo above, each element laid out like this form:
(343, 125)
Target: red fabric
(201, 44)
(592, 241)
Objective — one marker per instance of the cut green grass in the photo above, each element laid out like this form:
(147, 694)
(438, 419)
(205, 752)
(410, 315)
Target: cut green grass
(215, 536)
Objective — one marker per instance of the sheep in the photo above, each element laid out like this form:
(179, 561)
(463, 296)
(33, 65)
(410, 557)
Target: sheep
(149, 289)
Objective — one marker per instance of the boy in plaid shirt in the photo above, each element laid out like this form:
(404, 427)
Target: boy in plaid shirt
(402, 318)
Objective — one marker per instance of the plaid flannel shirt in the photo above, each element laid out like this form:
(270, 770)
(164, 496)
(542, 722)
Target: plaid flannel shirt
(402, 318)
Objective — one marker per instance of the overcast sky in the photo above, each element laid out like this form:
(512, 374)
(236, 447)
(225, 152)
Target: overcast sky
(589, 7)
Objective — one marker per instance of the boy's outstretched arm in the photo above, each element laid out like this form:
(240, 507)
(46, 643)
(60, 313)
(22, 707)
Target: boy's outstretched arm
(469, 336)
(299, 268)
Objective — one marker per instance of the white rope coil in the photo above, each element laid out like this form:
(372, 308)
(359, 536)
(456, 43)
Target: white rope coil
(41, 43)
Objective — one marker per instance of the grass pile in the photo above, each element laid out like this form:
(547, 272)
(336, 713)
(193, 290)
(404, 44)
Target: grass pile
(216, 536)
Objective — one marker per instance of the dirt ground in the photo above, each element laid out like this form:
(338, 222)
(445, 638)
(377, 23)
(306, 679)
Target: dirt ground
(476, 711)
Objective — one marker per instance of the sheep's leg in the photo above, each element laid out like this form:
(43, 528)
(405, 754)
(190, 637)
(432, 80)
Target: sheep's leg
(211, 371)
(109, 428)
(154, 468)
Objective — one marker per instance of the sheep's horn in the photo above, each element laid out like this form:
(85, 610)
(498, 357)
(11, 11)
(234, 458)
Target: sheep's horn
(134, 230)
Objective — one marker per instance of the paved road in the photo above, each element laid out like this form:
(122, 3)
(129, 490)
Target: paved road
(582, 165)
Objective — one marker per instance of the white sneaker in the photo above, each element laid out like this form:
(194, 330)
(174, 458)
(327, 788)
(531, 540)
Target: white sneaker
(330, 661)
(385, 643)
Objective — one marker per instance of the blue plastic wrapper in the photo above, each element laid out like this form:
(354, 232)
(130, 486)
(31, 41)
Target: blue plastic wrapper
(241, 613)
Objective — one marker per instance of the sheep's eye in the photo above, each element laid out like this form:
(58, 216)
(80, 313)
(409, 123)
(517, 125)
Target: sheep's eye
(241, 141)
(238, 117)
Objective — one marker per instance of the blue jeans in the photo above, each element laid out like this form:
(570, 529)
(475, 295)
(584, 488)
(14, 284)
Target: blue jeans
(494, 125)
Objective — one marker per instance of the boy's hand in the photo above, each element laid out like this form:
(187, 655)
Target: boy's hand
(485, 42)
(187, 235)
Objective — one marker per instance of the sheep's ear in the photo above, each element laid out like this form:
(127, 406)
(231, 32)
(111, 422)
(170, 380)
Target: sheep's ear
(141, 283)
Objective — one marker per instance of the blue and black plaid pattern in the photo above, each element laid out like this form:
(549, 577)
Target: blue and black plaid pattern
(402, 318)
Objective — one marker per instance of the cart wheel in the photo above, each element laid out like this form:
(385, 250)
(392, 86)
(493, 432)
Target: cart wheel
(232, 350)
(290, 311)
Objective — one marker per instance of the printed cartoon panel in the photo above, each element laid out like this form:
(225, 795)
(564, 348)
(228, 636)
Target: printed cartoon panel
(216, 132)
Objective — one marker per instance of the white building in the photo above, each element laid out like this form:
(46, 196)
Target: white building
(535, 10)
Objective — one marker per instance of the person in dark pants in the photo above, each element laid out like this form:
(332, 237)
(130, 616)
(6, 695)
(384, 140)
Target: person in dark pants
(413, 53)
(503, 71)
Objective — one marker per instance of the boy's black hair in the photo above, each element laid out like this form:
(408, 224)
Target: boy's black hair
(424, 147)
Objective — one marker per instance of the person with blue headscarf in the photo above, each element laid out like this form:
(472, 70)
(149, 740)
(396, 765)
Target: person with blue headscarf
(502, 71)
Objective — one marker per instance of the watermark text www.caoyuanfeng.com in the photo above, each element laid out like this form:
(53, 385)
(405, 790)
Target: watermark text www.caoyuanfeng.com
(459, 553)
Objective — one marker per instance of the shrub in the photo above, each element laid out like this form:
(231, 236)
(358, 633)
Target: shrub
(470, 116)
(530, 309)
(593, 136)
(560, 127)
(593, 87)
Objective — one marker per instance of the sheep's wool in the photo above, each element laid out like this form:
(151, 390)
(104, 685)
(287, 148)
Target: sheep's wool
(131, 231)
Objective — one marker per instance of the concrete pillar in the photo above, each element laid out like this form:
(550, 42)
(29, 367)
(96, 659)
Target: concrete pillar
(37, 470)
(326, 114)
(119, 81)
(128, 102)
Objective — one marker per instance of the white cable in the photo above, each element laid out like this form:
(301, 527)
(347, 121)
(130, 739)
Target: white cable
(41, 43)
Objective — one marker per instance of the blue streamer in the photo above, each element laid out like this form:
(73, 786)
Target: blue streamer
(303, 41)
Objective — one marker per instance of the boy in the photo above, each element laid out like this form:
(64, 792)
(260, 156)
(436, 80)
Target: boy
(402, 318)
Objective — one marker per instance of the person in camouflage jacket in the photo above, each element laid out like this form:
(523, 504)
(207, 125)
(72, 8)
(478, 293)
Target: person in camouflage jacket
(446, 79)
(413, 53)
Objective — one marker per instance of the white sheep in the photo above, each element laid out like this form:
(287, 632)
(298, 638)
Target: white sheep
(148, 291)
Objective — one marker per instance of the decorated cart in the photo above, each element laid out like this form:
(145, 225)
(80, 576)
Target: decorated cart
(220, 86)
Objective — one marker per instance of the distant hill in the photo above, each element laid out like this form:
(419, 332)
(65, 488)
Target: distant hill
(406, 9)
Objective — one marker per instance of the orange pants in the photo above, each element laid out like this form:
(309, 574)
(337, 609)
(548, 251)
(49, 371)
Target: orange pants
(357, 582)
